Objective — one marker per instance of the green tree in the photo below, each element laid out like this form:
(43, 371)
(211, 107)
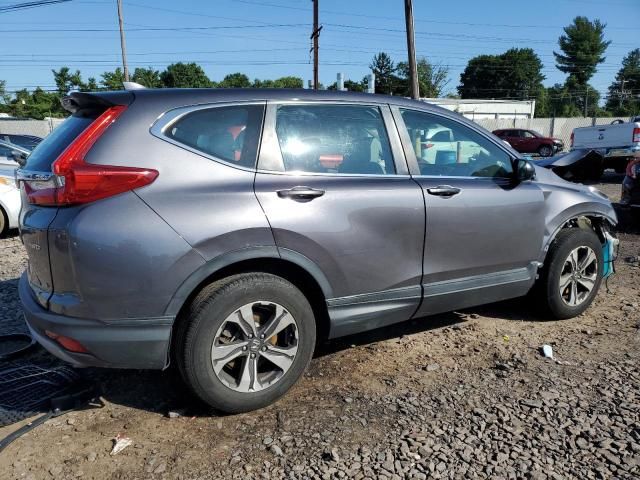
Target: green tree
(624, 93)
(185, 75)
(113, 80)
(235, 80)
(350, 85)
(516, 73)
(583, 46)
(66, 81)
(288, 82)
(149, 77)
(432, 79)
(384, 69)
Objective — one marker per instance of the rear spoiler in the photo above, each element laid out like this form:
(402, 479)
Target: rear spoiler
(77, 101)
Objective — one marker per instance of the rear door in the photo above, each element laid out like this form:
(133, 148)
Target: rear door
(35, 219)
(514, 137)
(484, 231)
(334, 185)
(529, 143)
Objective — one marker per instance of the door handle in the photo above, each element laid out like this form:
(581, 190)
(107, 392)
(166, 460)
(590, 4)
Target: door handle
(301, 193)
(443, 191)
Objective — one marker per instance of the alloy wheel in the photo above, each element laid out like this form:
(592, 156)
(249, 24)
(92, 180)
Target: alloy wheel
(255, 346)
(579, 276)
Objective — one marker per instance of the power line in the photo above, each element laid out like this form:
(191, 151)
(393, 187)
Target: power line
(26, 5)
(158, 29)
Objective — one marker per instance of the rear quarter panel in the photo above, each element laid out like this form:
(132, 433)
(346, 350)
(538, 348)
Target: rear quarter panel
(211, 205)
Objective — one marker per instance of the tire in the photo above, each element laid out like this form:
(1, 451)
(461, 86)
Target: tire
(558, 267)
(545, 151)
(215, 332)
(4, 223)
(596, 173)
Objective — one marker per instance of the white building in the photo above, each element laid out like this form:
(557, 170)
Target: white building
(485, 109)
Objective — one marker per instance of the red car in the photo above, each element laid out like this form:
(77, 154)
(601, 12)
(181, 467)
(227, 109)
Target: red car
(530, 141)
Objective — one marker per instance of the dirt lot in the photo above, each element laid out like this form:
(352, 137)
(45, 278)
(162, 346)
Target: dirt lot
(461, 395)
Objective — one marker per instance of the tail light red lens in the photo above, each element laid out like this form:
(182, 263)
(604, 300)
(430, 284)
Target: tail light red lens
(76, 182)
(636, 135)
(67, 343)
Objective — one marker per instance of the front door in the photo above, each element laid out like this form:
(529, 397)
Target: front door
(334, 184)
(484, 231)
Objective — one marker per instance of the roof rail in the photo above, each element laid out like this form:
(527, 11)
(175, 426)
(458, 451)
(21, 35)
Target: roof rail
(133, 86)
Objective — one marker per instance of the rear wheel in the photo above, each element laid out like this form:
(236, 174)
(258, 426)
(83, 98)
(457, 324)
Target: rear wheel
(573, 272)
(247, 339)
(545, 151)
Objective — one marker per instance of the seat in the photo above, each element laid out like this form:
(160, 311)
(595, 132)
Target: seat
(358, 161)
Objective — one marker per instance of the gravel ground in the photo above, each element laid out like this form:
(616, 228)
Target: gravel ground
(461, 395)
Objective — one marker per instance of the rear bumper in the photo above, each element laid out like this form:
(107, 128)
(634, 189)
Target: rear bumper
(123, 343)
(623, 151)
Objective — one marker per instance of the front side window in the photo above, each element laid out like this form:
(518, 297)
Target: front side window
(528, 134)
(231, 134)
(462, 152)
(334, 139)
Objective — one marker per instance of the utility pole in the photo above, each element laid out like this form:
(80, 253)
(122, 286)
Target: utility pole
(411, 49)
(586, 101)
(314, 36)
(622, 92)
(123, 44)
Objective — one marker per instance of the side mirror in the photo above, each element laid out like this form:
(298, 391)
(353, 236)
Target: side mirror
(525, 170)
(19, 157)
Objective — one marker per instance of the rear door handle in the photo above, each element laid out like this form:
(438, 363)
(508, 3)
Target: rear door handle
(443, 191)
(301, 193)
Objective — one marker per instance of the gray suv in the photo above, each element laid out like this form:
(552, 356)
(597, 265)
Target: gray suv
(229, 230)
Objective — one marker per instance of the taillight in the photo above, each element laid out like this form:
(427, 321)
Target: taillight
(636, 135)
(68, 343)
(76, 182)
(572, 139)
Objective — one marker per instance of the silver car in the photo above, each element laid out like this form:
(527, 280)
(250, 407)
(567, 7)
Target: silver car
(230, 230)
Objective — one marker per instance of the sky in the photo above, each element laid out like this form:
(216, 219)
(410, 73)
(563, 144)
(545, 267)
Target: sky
(270, 38)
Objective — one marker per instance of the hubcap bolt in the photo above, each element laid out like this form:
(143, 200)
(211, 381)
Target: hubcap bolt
(244, 348)
(253, 355)
(250, 335)
(262, 336)
(264, 349)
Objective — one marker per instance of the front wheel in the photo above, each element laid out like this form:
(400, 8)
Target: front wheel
(246, 340)
(573, 272)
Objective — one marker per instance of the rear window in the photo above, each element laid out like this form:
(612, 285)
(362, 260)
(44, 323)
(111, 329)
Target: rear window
(53, 145)
(231, 134)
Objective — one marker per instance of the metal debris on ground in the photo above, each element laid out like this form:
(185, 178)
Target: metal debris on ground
(120, 443)
(547, 351)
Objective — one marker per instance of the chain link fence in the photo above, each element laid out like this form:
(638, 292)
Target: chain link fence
(552, 127)
(39, 128)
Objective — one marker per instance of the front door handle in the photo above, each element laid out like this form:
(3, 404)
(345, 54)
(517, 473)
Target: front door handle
(443, 191)
(301, 193)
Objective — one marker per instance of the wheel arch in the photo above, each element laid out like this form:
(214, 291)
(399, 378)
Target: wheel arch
(292, 266)
(599, 222)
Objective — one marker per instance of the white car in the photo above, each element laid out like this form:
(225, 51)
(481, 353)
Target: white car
(10, 201)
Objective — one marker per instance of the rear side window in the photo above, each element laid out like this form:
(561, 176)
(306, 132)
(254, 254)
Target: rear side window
(53, 145)
(334, 139)
(231, 134)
